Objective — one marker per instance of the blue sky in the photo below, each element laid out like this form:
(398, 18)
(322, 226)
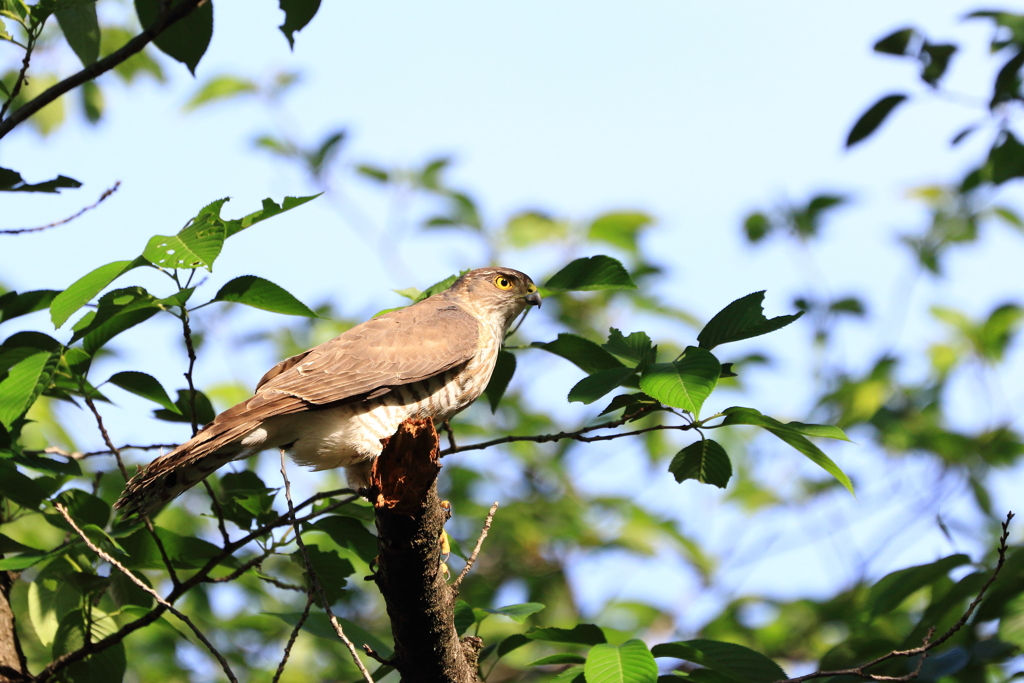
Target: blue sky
(694, 112)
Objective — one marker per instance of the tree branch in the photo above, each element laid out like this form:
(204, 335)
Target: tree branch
(928, 643)
(578, 435)
(13, 667)
(476, 551)
(314, 582)
(106, 193)
(176, 14)
(156, 596)
(410, 521)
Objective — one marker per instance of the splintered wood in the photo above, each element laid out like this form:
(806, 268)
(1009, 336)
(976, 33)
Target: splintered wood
(401, 475)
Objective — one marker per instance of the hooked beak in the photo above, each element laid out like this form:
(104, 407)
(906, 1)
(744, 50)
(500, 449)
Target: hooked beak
(533, 298)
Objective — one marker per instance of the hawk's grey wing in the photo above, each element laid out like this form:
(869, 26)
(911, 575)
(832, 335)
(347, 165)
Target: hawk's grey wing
(400, 347)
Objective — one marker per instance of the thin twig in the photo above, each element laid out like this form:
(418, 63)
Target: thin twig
(218, 511)
(578, 435)
(292, 638)
(314, 581)
(187, 333)
(78, 455)
(141, 584)
(249, 564)
(29, 46)
(476, 551)
(928, 643)
(136, 44)
(99, 201)
(124, 471)
(447, 427)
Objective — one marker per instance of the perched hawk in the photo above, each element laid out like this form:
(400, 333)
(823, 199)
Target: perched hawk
(331, 406)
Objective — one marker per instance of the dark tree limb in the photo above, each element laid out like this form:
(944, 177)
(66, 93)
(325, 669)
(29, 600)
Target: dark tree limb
(410, 521)
(13, 667)
(173, 15)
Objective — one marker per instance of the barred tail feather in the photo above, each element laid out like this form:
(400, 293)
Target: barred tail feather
(170, 475)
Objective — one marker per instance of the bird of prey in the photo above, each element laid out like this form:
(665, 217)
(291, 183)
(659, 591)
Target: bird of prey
(331, 406)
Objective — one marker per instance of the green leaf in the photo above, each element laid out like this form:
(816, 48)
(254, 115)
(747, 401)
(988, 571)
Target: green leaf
(757, 226)
(1011, 624)
(685, 383)
(581, 634)
(742, 319)
(593, 387)
(517, 613)
(620, 228)
(574, 674)
(187, 39)
(117, 311)
(532, 227)
(739, 663)
(13, 305)
(146, 386)
(197, 245)
(896, 43)
(590, 274)
(82, 30)
(561, 658)
(504, 368)
(438, 287)
(704, 460)
(935, 60)
(464, 617)
(297, 13)
(24, 382)
(106, 666)
(186, 552)
(92, 101)
(204, 409)
(873, 118)
(88, 286)
(894, 588)
(19, 488)
(220, 88)
(331, 571)
(350, 533)
(1006, 159)
(581, 352)
(270, 209)
(630, 662)
(636, 348)
(83, 507)
(793, 434)
(513, 642)
(264, 294)
(11, 181)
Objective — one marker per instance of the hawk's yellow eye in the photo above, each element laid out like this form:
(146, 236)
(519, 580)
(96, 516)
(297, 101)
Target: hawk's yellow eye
(502, 282)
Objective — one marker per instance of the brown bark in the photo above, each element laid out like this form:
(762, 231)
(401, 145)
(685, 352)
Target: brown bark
(13, 667)
(410, 520)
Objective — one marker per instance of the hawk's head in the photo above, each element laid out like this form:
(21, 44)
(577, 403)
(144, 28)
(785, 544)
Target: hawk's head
(496, 291)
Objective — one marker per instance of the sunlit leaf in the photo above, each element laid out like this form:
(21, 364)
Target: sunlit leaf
(264, 294)
(589, 274)
(685, 383)
(84, 289)
(742, 319)
(630, 662)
